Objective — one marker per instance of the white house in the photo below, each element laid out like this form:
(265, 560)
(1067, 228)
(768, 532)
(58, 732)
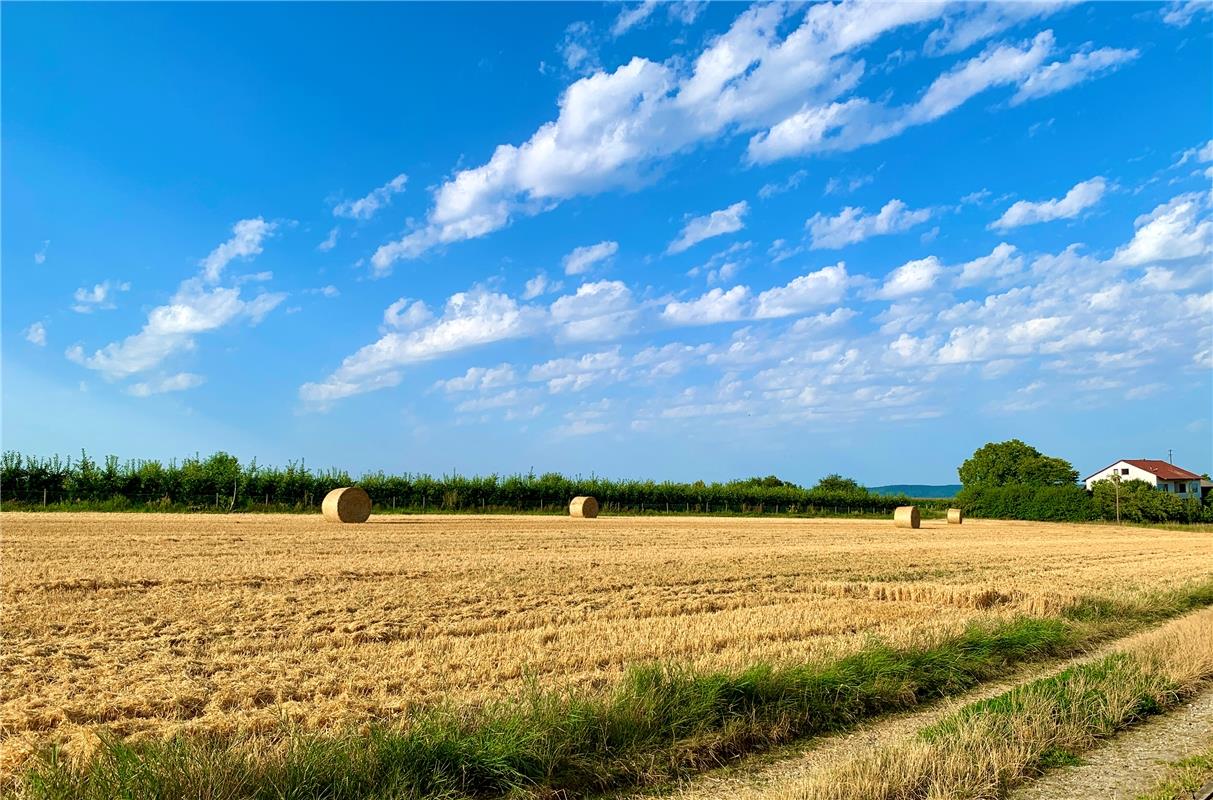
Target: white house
(1164, 476)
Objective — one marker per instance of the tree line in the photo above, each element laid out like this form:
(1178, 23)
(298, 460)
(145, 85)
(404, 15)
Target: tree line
(1013, 480)
(221, 482)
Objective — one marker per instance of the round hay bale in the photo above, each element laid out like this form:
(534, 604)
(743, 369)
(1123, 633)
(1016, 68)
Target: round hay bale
(955, 516)
(906, 517)
(584, 507)
(347, 504)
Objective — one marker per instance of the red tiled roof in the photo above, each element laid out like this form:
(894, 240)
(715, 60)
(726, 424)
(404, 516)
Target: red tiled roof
(1160, 469)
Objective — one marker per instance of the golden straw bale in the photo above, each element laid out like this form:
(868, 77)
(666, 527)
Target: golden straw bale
(955, 516)
(586, 507)
(906, 517)
(347, 504)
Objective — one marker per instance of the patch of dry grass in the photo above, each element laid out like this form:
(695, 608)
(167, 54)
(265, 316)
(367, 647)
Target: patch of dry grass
(985, 749)
(149, 625)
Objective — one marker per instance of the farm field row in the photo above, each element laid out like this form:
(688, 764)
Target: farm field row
(147, 625)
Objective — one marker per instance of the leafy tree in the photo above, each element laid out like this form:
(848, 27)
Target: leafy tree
(1014, 462)
(769, 482)
(836, 483)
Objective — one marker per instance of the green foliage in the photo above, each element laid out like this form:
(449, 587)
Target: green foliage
(1013, 462)
(660, 722)
(1018, 501)
(836, 483)
(220, 482)
(1141, 502)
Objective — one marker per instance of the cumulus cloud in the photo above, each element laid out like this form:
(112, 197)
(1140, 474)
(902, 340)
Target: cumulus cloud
(631, 16)
(1174, 230)
(538, 286)
(365, 207)
(582, 258)
(912, 277)
(846, 125)
(1081, 197)
(36, 334)
(1080, 67)
(1003, 263)
(812, 290)
(405, 314)
(718, 223)
(596, 311)
(470, 319)
(248, 236)
(714, 306)
(330, 241)
(851, 225)
(1181, 12)
(173, 383)
(196, 307)
(612, 127)
(481, 379)
(99, 297)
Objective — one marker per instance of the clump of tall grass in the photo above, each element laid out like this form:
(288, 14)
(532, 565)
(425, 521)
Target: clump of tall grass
(660, 722)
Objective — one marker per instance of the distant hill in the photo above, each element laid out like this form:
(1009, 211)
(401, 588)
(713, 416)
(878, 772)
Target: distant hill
(917, 489)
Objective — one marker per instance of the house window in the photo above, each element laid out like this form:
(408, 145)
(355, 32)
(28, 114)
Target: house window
(1124, 471)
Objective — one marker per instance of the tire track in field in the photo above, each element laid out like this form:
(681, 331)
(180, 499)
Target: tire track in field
(1132, 762)
(750, 776)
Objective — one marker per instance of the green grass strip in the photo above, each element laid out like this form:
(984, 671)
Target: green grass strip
(659, 723)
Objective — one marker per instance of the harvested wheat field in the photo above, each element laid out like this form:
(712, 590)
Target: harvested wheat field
(147, 624)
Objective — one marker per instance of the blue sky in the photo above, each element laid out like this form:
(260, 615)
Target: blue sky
(655, 240)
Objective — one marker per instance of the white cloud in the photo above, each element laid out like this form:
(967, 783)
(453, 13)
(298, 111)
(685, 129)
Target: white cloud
(631, 16)
(171, 328)
(1003, 263)
(36, 334)
(613, 127)
(813, 290)
(851, 226)
(841, 126)
(481, 379)
(405, 314)
(470, 319)
(246, 242)
(576, 374)
(1202, 154)
(1080, 67)
(331, 241)
(194, 308)
(365, 207)
(582, 258)
(540, 285)
(174, 383)
(1181, 12)
(718, 223)
(576, 49)
(912, 277)
(714, 306)
(597, 311)
(793, 181)
(97, 298)
(1081, 197)
(40, 256)
(978, 22)
(1172, 231)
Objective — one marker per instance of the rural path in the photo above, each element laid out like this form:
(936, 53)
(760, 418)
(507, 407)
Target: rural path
(1129, 764)
(755, 774)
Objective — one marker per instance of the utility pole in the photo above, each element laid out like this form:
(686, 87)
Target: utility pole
(1116, 483)
(1170, 460)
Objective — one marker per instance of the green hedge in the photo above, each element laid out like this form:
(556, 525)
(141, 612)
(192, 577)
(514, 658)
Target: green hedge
(1141, 503)
(221, 481)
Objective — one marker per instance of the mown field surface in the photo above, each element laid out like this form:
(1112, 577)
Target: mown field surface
(147, 625)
